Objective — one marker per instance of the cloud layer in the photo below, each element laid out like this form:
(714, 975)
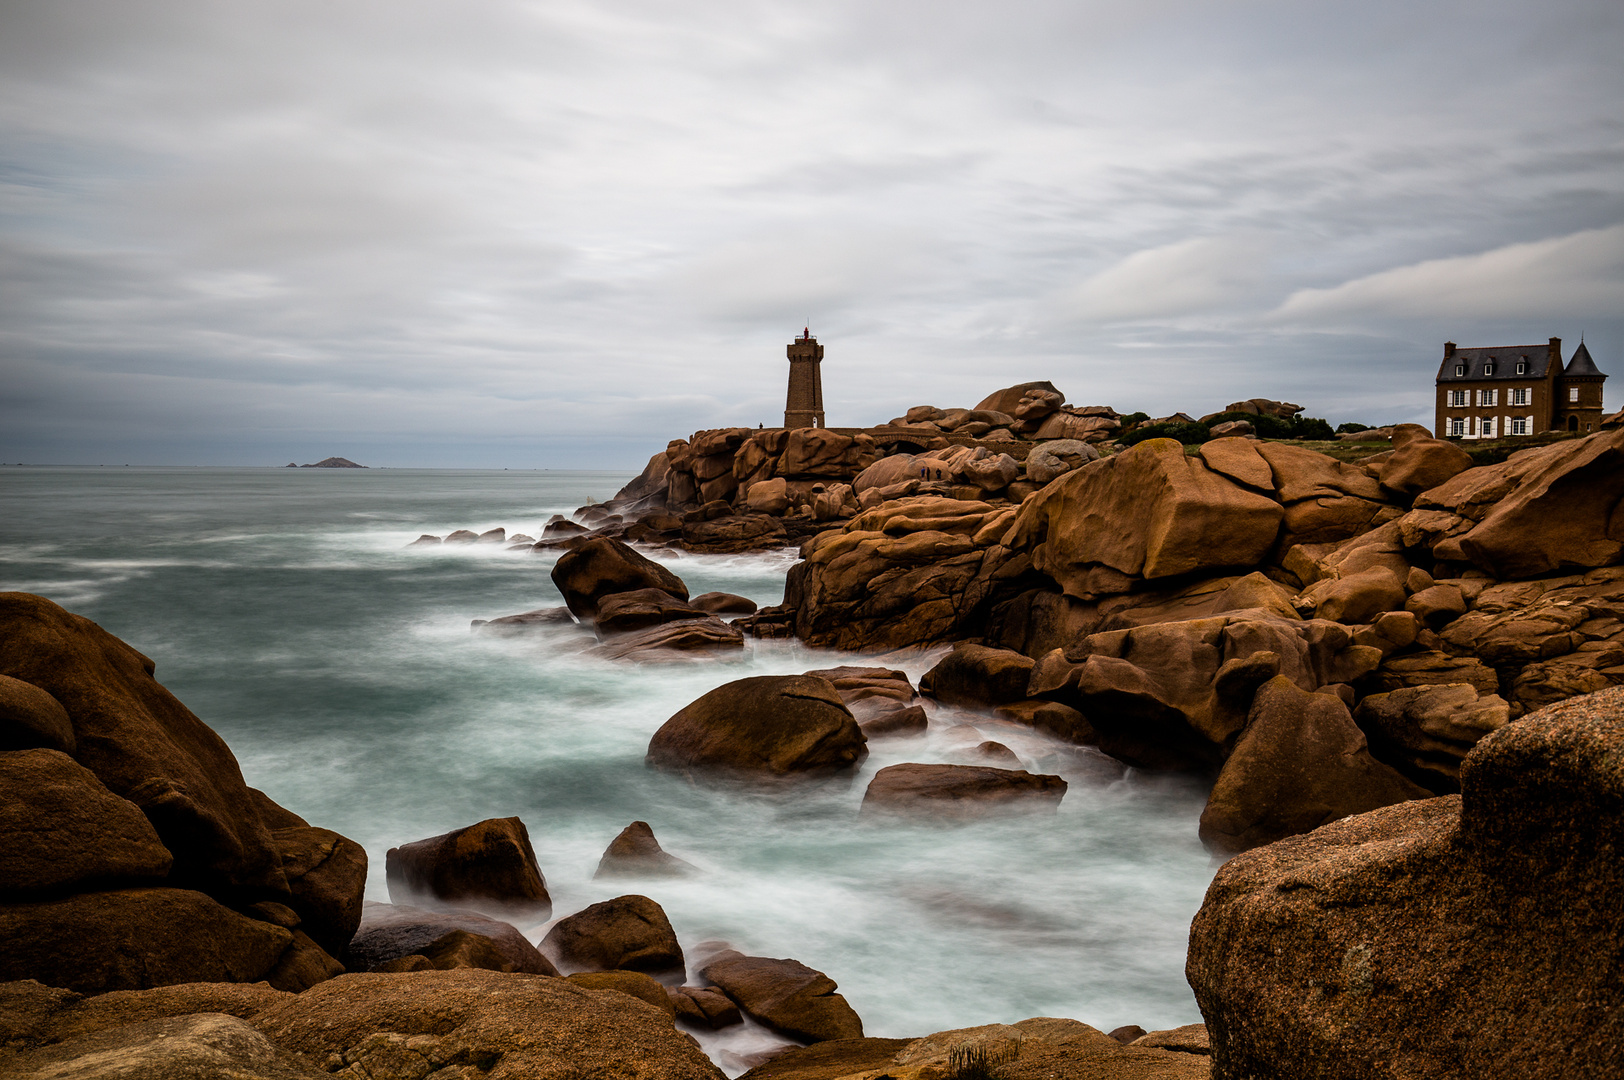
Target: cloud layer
(557, 233)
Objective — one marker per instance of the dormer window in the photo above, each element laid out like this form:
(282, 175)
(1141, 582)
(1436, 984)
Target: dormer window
(1488, 369)
(1522, 367)
(1460, 369)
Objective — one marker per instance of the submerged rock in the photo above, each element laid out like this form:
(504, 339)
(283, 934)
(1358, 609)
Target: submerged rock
(766, 727)
(488, 866)
(391, 932)
(960, 792)
(636, 853)
(601, 567)
(786, 996)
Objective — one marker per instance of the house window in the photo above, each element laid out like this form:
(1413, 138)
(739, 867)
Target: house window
(1573, 393)
(1488, 427)
(1457, 426)
(1457, 399)
(1522, 367)
(1460, 369)
(1488, 397)
(1519, 425)
(1519, 396)
(1488, 369)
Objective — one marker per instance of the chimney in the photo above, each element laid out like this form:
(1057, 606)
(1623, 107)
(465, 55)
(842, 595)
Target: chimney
(1449, 349)
(1556, 355)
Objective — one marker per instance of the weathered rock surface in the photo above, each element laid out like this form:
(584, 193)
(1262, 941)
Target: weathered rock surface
(960, 792)
(1176, 695)
(488, 866)
(785, 995)
(1420, 462)
(1057, 457)
(1426, 731)
(327, 878)
(766, 727)
(1045, 1047)
(389, 932)
(1470, 935)
(631, 983)
(145, 747)
(1148, 513)
(636, 853)
(1300, 763)
(903, 573)
(179, 1048)
(500, 1025)
(130, 939)
(721, 603)
(601, 567)
(683, 641)
(30, 718)
(526, 622)
(638, 609)
(978, 675)
(704, 1007)
(628, 933)
(61, 830)
(1544, 509)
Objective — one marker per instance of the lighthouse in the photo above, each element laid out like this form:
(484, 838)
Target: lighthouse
(804, 406)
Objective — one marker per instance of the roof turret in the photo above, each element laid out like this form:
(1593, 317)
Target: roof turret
(1582, 365)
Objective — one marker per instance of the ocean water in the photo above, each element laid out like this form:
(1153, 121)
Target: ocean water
(284, 608)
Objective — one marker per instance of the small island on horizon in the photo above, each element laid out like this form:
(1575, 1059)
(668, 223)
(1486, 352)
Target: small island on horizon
(329, 463)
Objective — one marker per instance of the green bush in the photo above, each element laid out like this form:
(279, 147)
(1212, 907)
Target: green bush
(1188, 434)
(1351, 426)
(1132, 419)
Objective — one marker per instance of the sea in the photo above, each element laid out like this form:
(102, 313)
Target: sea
(286, 609)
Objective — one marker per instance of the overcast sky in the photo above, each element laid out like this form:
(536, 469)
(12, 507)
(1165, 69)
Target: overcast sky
(557, 234)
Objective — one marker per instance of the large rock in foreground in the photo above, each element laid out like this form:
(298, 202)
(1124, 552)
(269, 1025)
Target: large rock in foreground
(145, 746)
(1471, 935)
(452, 1025)
(764, 728)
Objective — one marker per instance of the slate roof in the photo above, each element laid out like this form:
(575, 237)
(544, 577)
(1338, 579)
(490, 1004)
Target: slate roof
(1504, 358)
(1581, 364)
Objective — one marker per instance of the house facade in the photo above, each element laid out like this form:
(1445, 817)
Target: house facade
(1509, 390)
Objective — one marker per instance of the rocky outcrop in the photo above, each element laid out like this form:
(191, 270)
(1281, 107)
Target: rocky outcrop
(600, 567)
(636, 853)
(1469, 935)
(488, 866)
(1544, 509)
(134, 853)
(960, 792)
(770, 727)
(1300, 763)
(785, 995)
(628, 933)
(704, 1007)
(680, 641)
(907, 572)
(1426, 731)
(1178, 694)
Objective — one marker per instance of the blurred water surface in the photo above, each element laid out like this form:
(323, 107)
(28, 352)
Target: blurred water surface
(283, 606)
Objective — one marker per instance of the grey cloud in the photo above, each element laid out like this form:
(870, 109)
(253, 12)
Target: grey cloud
(524, 229)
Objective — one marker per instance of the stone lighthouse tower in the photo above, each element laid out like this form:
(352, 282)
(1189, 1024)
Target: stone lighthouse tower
(804, 408)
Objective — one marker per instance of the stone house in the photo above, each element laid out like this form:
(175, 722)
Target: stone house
(1507, 390)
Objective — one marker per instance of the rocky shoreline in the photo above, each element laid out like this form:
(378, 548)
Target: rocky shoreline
(1403, 677)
